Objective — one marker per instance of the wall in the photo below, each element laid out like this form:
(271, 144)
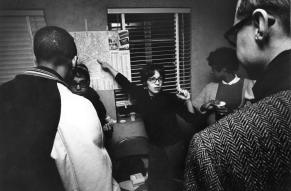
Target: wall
(210, 18)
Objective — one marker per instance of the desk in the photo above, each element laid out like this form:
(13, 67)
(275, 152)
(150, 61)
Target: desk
(127, 130)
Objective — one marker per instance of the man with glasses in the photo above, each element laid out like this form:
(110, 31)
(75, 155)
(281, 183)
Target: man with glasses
(251, 148)
(80, 85)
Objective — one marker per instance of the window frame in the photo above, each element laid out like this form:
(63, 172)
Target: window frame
(175, 11)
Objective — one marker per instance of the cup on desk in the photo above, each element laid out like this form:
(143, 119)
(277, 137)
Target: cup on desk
(132, 116)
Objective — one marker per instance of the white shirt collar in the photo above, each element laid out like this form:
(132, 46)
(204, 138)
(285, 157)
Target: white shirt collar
(233, 81)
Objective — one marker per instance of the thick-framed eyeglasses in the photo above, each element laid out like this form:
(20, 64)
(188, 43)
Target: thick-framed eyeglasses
(231, 34)
(154, 80)
(81, 84)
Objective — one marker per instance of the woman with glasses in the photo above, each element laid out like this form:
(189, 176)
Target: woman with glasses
(158, 110)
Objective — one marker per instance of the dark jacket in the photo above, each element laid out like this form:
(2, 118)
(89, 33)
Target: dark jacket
(29, 116)
(98, 105)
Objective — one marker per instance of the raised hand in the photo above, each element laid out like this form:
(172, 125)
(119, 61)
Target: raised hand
(183, 94)
(108, 126)
(104, 65)
(107, 67)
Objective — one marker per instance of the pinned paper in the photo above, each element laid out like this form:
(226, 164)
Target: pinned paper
(93, 45)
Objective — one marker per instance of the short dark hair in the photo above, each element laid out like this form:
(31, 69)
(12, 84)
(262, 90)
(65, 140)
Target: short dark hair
(280, 8)
(223, 57)
(81, 71)
(54, 44)
(149, 70)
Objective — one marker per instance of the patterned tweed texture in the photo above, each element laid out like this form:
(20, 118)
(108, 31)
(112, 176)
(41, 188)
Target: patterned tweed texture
(247, 150)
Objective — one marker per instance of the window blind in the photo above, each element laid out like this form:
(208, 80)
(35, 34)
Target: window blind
(153, 40)
(16, 32)
(185, 50)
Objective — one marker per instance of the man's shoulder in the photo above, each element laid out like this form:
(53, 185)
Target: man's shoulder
(274, 107)
(76, 109)
(19, 80)
(7, 86)
(74, 99)
(275, 102)
(28, 86)
(93, 92)
(271, 111)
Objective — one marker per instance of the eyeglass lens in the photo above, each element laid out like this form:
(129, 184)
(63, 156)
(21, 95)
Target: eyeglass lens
(154, 80)
(81, 84)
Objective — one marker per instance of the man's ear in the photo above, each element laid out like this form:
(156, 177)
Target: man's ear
(260, 21)
(74, 61)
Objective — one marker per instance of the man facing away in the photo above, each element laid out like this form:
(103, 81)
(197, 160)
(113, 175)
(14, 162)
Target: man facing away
(51, 139)
(251, 148)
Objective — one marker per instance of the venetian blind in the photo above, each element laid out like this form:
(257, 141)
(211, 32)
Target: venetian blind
(185, 50)
(16, 32)
(157, 38)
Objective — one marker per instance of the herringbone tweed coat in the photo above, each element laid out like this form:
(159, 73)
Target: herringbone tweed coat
(247, 150)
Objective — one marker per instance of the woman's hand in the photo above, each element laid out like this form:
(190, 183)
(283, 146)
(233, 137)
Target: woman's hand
(215, 105)
(107, 67)
(108, 126)
(208, 106)
(104, 65)
(183, 94)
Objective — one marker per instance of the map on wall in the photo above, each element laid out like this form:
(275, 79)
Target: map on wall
(93, 45)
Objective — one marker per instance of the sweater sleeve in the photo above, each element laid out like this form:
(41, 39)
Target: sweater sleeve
(181, 109)
(93, 96)
(129, 87)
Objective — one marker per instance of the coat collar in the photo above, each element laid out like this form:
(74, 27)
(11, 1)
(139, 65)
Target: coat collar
(233, 81)
(45, 72)
(277, 76)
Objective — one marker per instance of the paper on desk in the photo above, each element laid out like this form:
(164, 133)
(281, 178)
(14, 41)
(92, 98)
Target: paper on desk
(127, 185)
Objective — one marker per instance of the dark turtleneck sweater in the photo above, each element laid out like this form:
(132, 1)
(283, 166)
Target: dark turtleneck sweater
(158, 112)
